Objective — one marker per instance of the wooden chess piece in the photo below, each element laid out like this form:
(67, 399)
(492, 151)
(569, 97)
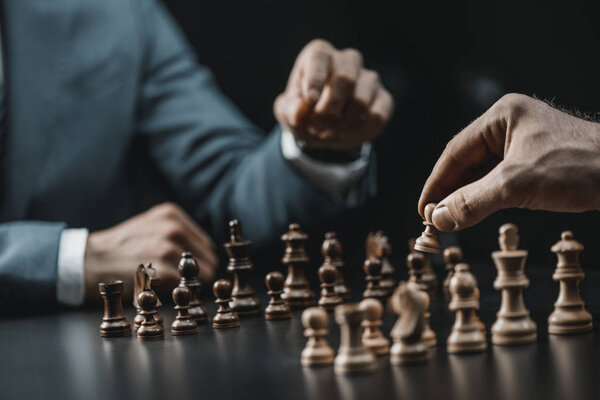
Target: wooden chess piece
(114, 323)
(410, 304)
(569, 315)
(372, 337)
(478, 321)
(452, 256)
(184, 324)
(225, 318)
(317, 352)
(513, 325)
(150, 329)
(154, 285)
(329, 298)
(296, 291)
(244, 297)
(277, 307)
(378, 246)
(145, 278)
(428, 242)
(429, 278)
(416, 265)
(372, 268)
(332, 251)
(466, 336)
(353, 356)
(189, 270)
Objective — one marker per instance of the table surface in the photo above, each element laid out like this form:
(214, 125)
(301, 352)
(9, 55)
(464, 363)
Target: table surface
(62, 356)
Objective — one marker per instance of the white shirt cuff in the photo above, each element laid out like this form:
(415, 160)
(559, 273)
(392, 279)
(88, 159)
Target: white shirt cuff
(338, 180)
(70, 287)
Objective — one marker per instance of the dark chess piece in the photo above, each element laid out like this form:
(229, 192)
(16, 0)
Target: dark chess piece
(372, 268)
(296, 291)
(317, 352)
(150, 329)
(154, 285)
(332, 252)
(416, 265)
(277, 307)
(452, 256)
(225, 318)
(244, 297)
(184, 324)
(329, 298)
(114, 323)
(378, 246)
(353, 356)
(429, 277)
(189, 270)
(145, 278)
(410, 303)
(569, 315)
(428, 242)
(372, 337)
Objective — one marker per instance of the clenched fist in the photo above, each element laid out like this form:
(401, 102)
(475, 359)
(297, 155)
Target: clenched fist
(520, 153)
(158, 235)
(331, 100)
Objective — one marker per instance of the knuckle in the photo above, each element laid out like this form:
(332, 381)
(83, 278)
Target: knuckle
(344, 81)
(319, 46)
(372, 77)
(354, 55)
(168, 209)
(464, 208)
(173, 231)
(512, 105)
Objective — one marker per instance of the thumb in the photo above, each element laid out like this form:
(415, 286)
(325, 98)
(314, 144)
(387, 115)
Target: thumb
(470, 204)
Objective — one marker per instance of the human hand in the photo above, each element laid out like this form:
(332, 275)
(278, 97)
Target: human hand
(520, 153)
(331, 100)
(159, 236)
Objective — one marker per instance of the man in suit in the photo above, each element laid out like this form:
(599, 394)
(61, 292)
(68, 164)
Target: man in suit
(87, 84)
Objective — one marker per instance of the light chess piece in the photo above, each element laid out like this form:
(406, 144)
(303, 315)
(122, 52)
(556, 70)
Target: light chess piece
(378, 246)
(317, 351)
(569, 315)
(452, 256)
(372, 337)
(184, 324)
(114, 323)
(372, 268)
(225, 317)
(513, 325)
(150, 328)
(332, 252)
(353, 356)
(244, 297)
(296, 291)
(428, 242)
(277, 307)
(189, 270)
(416, 264)
(329, 298)
(410, 304)
(466, 335)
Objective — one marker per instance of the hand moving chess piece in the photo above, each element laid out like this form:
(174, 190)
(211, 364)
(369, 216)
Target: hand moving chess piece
(145, 278)
(329, 298)
(466, 335)
(332, 250)
(372, 268)
(569, 315)
(296, 291)
(353, 356)
(150, 329)
(277, 307)
(188, 269)
(372, 337)
(416, 265)
(428, 242)
(225, 318)
(244, 297)
(114, 323)
(407, 333)
(513, 326)
(378, 246)
(452, 256)
(183, 324)
(317, 351)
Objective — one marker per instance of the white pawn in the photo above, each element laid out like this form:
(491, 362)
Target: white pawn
(372, 337)
(317, 351)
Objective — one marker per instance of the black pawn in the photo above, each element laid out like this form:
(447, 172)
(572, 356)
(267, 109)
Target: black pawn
(183, 324)
(329, 298)
(188, 269)
(277, 307)
(372, 268)
(150, 329)
(225, 318)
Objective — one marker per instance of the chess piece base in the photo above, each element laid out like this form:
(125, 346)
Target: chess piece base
(378, 294)
(567, 322)
(466, 342)
(277, 311)
(429, 338)
(379, 346)
(183, 327)
(402, 353)
(150, 333)
(317, 357)
(247, 305)
(329, 303)
(116, 328)
(198, 313)
(508, 332)
(299, 299)
(355, 363)
(225, 321)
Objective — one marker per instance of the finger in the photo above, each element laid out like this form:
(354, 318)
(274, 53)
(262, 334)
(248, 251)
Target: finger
(206, 273)
(365, 92)
(315, 66)
(291, 111)
(197, 234)
(346, 68)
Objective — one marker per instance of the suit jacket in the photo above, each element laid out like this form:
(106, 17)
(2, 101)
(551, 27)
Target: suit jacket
(88, 83)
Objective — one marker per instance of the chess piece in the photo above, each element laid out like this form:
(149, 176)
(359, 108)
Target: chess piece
(353, 356)
(225, 318)
(429, 278)
(569, 315)
(416, 265)
(378, 246)
(150, 329)
(452, 256)
(277, 307)
(372, 337)
(372, 268)
(114, 323)
(296, 291)
(329, 298)
(513, 325)
(145, 278)
(317, 351)
(188, 270)
(466, 336)
(244, 297)
(332, 250)
(428, 242)
(478, 321)
(184, 324)
(410, 304)
(154, 285)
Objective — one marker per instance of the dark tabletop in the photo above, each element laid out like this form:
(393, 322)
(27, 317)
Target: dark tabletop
(60, 355)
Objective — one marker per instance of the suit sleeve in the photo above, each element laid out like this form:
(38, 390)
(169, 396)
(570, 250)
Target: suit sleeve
(218, 163)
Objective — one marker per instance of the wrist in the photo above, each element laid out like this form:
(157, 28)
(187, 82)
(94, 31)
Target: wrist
(330, 155)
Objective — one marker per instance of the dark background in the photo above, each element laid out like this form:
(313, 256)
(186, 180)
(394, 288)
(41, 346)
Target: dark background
(444, 63)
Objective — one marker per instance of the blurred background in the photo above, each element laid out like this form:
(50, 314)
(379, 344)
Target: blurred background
(445, 64)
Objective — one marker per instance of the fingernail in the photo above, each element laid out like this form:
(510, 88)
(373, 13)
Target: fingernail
(442, 218)
(313, 95)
